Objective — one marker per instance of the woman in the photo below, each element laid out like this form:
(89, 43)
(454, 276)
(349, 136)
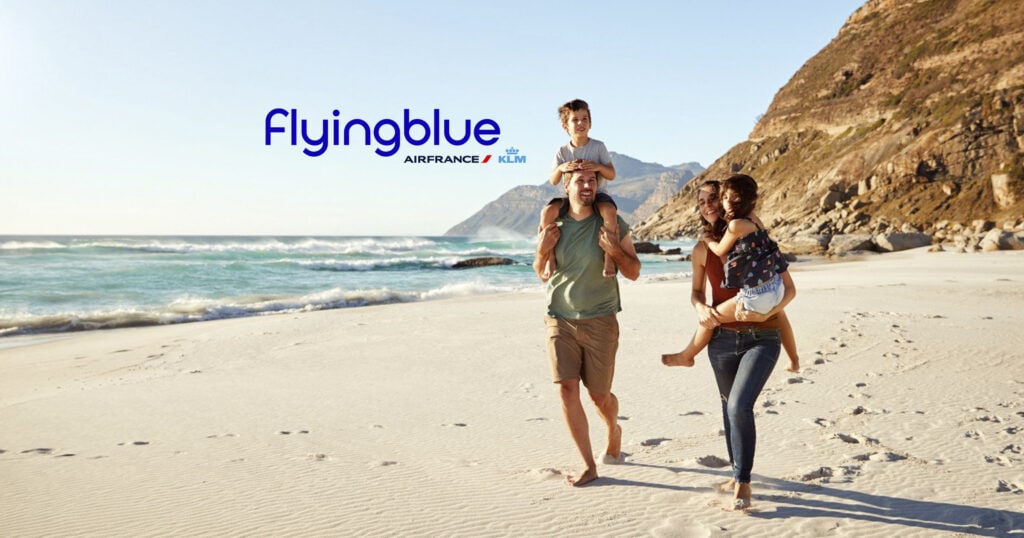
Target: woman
(742, 353)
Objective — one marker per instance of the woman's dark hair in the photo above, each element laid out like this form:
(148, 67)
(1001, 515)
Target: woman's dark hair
(744, 186)
(716, 229)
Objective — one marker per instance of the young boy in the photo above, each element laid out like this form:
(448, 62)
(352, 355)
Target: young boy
(581, 153)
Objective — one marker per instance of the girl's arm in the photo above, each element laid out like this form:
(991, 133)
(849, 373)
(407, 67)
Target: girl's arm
(737, 228)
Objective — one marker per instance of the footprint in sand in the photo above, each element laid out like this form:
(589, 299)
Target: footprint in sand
(382, 463)
(37, 451)
(712, 461)
(545, 473)
(1009, 487)
(455, 425)
(288, 432)
(855, 439)
(538, 419)
(654, 442)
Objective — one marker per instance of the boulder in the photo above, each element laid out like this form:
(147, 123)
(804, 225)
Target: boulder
(845, 243)
(482, 262)
(897, 241)
(644, 247)
(805, 243)
(997, 239)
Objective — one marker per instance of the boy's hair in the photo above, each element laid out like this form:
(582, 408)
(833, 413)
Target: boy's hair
(746, 188)
(716, 229)
(573, 106)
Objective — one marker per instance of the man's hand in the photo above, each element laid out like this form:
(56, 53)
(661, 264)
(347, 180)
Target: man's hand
(547, 237)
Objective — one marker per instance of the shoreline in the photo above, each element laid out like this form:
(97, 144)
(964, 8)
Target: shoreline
(439, 417)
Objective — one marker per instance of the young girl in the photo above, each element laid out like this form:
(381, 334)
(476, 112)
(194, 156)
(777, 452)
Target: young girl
(753, 265)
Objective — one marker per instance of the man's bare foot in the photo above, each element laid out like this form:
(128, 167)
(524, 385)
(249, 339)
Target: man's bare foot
(729, 486)
(588, 476)
(677, 359)
(741, 500)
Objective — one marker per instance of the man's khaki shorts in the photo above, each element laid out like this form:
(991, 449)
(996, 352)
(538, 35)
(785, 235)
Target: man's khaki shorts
(584, 349)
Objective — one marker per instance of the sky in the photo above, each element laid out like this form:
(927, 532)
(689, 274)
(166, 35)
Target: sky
(150, 118)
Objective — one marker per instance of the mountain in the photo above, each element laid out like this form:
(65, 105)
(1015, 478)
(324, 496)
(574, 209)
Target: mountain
(911, 117)
(639, 189)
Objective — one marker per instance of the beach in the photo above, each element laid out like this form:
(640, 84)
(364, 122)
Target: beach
(439, 418)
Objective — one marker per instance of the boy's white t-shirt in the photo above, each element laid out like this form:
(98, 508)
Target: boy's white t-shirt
(593, 150)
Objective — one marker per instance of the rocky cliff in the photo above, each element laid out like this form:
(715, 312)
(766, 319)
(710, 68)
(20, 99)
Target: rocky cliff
(911, 119)
(639, 189)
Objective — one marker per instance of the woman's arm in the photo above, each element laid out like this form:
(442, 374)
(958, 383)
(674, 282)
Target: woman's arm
(706, 315)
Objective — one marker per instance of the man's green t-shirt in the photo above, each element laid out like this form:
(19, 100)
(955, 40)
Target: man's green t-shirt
(578, 289)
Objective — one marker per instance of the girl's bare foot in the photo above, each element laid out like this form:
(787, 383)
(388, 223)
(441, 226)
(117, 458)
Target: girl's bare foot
(677, 359)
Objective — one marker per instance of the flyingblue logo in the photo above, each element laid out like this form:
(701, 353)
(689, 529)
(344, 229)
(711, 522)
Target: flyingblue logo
(386, 134)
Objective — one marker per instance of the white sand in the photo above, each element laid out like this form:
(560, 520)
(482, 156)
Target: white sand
(439, 419)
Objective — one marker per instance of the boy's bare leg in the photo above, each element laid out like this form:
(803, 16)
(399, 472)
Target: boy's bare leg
(547, 216)
(609, 214)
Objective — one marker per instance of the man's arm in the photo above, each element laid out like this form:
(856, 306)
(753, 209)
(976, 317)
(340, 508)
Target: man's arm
(547, 238)
(622, 252)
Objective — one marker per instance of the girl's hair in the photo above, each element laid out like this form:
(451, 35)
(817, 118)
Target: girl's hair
(716, 229)
(573, 106)
(744, 186)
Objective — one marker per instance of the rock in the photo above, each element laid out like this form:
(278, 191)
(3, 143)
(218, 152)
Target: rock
(482, 262)
(982, 226)
(674, 251)
(644, 247)
(895, 242)
(845, 243)
(805, 243)
(1003, 190)
(997, 239)
(829, 200)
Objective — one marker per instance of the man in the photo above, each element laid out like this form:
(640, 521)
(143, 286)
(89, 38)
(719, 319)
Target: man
(583, 333)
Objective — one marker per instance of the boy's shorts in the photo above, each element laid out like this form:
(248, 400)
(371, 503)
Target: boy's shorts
(583, 349)
(563, 210)
(763, 298)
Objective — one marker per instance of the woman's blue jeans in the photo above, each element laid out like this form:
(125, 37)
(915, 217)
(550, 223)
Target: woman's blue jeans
(742, 362)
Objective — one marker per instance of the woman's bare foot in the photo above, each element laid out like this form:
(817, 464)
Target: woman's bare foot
(588, 476)
(741, 500)
(677, 359)
(729, 486)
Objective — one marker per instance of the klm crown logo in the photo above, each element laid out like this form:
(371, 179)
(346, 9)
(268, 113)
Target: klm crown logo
(512, 156)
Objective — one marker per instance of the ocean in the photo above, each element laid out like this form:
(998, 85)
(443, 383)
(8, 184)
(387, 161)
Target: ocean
(52, 284)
